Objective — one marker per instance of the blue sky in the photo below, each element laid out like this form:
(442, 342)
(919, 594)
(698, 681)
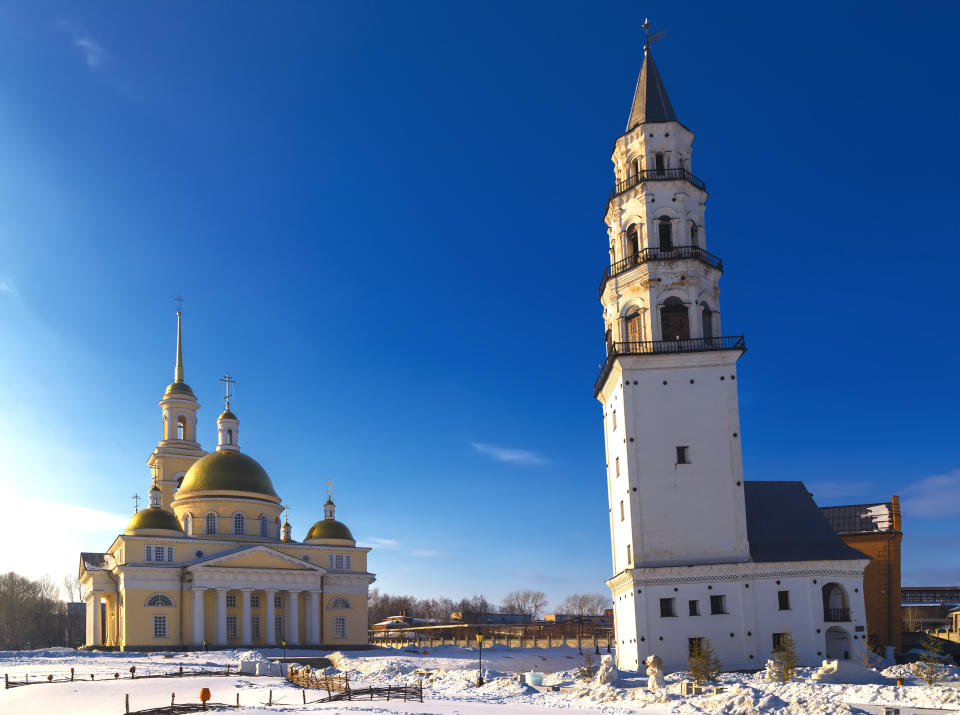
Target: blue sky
(386, 222)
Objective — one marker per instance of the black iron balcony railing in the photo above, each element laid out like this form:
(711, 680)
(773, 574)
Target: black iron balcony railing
(660, 254)
(665, 347)
(656, 175)
(836, 615)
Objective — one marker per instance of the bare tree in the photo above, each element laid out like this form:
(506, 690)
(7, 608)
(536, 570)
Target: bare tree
(584, 604)
(525, 601)
(30, 612)
(72, 588)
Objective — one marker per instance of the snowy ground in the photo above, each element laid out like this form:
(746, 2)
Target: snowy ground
(449, 675)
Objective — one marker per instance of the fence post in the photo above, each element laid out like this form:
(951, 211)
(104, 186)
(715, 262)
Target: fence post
(302, 691)
(388, 693)
(6, 681)
(181, 671)
(173, 697)
(270, 698)
(238, 699)
(420, 683)
(126, 702)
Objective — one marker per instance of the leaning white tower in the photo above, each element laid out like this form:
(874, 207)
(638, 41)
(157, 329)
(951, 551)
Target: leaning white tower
(689, 537)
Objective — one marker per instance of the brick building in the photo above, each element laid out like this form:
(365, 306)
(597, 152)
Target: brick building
(874, 529)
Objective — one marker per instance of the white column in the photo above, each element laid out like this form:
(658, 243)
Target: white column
(97, 633)
(313, 609)
(245, 638)
(293, 618)
(197, 617)
(220, 637)
(269, 637)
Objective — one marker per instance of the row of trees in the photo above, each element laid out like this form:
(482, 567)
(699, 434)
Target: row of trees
(32, 614)
(534, 603)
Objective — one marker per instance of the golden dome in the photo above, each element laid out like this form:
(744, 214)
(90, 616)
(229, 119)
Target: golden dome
(227, 470)
(154, 518)
(228, 415)
(330, 530)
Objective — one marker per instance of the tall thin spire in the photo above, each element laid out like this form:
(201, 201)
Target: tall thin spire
(650, 101)
(178, 370)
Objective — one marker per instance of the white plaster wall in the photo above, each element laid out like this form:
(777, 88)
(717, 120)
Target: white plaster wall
(753, 613)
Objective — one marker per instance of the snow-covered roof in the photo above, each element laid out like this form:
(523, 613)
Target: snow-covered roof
(96, 562)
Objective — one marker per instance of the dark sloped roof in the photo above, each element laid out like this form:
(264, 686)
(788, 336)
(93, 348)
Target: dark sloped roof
(93, 561)
(859, 518)
(784, 524)
(650, 101)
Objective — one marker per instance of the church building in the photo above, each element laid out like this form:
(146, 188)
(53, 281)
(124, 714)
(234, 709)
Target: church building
(698, 553)
(209, 564)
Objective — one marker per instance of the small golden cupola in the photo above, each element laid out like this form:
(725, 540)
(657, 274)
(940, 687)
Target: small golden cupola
(155, 518)
(228, 426)
(330, 531)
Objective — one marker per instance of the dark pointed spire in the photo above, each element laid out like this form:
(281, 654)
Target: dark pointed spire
(650, 101)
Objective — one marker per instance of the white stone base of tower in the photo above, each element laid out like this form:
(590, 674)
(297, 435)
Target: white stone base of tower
(823, 611)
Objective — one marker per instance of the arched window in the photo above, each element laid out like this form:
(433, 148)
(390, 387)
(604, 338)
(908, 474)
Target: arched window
(181, 427)
(666, 233)
(632, 247)
(339, 603)
(706, 316)
(229, 436)
(211, 523)
(660, 162)
(674, 320)
(159, 599)
(634, 327)
(264, 526)
(694, 234)
(239, 524)
(188, 524)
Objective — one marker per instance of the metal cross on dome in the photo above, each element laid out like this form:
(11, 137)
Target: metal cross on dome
(227, 383)
(649, 39)
(179, 304)
(329, 490)
(136, 503)
(286, 509)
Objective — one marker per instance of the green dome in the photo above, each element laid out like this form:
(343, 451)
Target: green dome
(330, 529)
(227, 470)
(180, 388)
(154, 518)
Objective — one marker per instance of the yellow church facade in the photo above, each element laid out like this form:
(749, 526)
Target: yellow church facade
(208, 564)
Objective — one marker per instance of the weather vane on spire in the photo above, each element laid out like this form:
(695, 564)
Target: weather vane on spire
(227, 383)
(649, 39)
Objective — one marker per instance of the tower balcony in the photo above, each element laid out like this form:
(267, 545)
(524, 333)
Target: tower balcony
(645, 175)
(660, 254)
(665, 347)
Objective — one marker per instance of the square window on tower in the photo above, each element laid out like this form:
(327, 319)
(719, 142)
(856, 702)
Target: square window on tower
(683, 455)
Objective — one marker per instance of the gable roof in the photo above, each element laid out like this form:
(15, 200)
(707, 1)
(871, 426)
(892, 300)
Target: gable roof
(785, 524)
(225, 557)
(650, 100)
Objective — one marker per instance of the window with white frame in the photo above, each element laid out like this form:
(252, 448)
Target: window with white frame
(231, 628)
(254, 600)
(277, 601)
(264, 526)
(339, 627)
(340, 561)
(255, 627)
(159, 626)
(159, 599)
(239, 524)
(211, 523)
(231, 600)
(158, 553)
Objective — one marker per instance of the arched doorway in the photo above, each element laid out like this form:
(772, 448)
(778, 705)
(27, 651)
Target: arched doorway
(836, 606)
(666, 233)
(674, 320)
(838, 643)
(706, 316)
(632, 247)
